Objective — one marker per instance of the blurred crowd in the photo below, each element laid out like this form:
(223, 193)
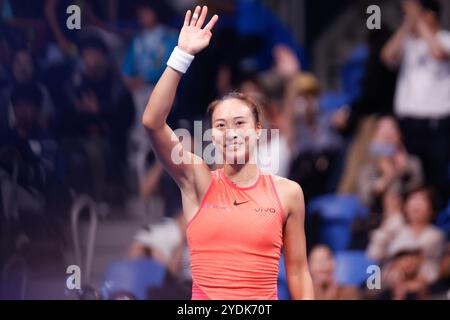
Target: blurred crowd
(71, 103)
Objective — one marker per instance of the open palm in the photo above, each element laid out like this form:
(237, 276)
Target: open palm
(193, 38)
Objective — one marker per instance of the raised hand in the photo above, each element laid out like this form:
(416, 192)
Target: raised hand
(287, 64)
(193, 38)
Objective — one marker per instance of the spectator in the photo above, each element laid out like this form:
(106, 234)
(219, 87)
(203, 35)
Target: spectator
(391, 168)
(422, 102)
(100, 113)
(314, 140)
(388, 175)
(30, 162)
(414, 229)
(405, 281)
(166, 243)
(24, 72)
(33, 143)
(150, 49)
(322, 266)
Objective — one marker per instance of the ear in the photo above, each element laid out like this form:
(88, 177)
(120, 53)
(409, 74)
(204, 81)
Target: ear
(258, 130)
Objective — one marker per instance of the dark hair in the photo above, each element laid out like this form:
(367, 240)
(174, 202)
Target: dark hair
(163, 11)
(252, 103)
(30, 93)
(432, 5)
(430, 193)
(95, 43)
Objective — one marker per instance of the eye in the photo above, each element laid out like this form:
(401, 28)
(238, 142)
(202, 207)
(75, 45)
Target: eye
(220, 125)
(240, 123)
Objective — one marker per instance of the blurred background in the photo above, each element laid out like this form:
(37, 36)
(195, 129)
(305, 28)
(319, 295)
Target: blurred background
(364, 128)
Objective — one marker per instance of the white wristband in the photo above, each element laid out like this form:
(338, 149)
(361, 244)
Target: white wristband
(180, 60)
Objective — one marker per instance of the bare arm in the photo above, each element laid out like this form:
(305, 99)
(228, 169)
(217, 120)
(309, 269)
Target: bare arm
(392, 52)
(182, 165)
(297, 271)
(435, 46)
(288, 68)
(393, 49)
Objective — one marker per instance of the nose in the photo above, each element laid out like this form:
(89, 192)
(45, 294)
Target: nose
(231, 134)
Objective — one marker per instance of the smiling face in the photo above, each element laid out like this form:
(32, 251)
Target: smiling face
(235, 130)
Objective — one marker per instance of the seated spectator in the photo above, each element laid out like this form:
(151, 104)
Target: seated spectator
(391, 168)
(23, 73)
(97, 120)
(30, 162)
(414, 228)
(149, 49)
(33, 143)
(390, 172)
(322, 266)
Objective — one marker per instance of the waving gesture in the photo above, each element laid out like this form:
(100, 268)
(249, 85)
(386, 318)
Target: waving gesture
(193, 38)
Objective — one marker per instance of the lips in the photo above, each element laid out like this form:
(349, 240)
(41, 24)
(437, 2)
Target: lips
(233, 146)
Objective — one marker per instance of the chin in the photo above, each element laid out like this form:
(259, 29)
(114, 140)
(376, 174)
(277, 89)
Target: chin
(236, 157)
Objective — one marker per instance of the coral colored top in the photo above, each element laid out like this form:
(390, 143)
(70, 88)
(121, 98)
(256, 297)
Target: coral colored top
(235, 240)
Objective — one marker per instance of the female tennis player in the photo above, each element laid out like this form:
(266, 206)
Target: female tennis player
(239, 217)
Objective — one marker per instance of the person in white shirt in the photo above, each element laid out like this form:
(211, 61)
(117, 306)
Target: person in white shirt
(421, 48)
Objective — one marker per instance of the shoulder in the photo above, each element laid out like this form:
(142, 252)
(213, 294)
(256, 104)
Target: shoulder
(444, 35)
(444, 38)
(435, 234)
(289, 191)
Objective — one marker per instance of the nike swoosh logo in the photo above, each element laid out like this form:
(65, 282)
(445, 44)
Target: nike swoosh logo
(239, 203)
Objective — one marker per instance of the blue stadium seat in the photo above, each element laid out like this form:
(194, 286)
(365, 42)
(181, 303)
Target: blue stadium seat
(338, 206)
(332, 100)
(337, 213)
(353, 71)
(351, 267)
(443, 220)
(133, 276)
(283, 290)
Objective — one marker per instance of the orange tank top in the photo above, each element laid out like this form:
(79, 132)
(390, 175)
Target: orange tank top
(235, 240)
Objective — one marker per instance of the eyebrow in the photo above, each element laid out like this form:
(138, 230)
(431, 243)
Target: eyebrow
(235, 118)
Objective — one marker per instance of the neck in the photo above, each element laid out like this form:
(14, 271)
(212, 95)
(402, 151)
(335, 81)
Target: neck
(242, 174)
(418, 227)
(435, 27)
